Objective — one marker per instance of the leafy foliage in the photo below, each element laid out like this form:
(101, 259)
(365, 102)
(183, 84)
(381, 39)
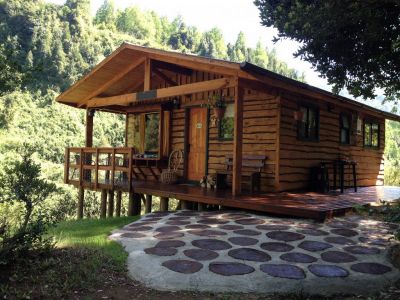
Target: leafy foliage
(354, 44)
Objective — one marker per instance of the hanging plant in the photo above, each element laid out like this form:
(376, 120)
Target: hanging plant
(217, 103)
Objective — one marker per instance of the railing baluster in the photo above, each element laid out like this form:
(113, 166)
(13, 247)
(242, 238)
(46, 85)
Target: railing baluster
(130, 154)
(66, 166)
(113, 168)
(81, 167)
(97, 169)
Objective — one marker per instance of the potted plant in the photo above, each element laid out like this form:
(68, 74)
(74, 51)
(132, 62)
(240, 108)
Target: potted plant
(218, 105)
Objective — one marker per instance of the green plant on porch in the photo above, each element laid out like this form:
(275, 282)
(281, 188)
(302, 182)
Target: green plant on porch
(218, 104)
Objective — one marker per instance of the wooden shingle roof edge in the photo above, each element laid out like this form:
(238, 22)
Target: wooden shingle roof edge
(244, 70)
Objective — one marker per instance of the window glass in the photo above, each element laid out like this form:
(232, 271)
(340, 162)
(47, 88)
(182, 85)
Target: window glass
(226, 125)
(371, 134)
(151, 132)
(367, 134)
(374, 135)
(344, 129)
(308, 125)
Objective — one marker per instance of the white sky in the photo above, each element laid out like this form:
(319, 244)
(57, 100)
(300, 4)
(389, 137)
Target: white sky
(231, 16)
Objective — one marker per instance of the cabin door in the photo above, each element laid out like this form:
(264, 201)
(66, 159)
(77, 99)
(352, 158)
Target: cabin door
(196, 144)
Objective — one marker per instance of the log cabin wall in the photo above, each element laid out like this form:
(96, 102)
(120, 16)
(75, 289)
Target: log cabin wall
(297, 156)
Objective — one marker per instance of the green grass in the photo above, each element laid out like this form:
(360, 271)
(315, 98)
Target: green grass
(92, 233)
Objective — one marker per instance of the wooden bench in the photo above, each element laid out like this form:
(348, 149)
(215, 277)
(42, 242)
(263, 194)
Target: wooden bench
(251, 171)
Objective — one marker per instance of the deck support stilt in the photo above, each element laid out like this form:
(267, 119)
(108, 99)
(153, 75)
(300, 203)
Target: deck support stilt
(184, 205)
(201, 206)
(148, 203)
(118, 204)
(103, 204)
(130, 204)
(164, 203)
(137, 204)
(81, 199)
(110, 203)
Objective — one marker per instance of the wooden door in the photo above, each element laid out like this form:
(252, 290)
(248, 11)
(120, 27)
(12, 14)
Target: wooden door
(197, 136)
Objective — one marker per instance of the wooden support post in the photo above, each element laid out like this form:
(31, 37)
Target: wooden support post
(103, 205)
(130, 203)
(137, 205)
(185, 205)
(201, 206)
(149, 200)
(237, 142)
(164, 203)
(147, 75)
(110, 203)
(81, 198)
(118, 204)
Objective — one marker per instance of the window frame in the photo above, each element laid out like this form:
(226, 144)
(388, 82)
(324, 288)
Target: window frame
(317, 125)
(348, 116)
(220, 137)
(372, 122)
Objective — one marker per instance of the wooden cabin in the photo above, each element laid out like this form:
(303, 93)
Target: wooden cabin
(271, 125)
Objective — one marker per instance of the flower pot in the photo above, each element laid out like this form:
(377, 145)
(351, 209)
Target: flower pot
(219, 112)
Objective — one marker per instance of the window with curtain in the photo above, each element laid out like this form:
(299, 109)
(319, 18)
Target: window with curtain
(226, 125)
(371, 134)
(308, 126)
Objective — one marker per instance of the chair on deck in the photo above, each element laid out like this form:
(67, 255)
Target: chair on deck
(175, 161)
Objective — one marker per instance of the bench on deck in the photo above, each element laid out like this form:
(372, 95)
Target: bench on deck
(251, 171)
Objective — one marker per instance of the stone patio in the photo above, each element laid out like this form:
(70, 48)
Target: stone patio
(233, 251)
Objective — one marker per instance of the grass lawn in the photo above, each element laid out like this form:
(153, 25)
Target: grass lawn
(92, 234)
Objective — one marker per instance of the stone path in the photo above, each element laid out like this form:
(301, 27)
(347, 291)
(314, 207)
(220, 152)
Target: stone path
(230, 251)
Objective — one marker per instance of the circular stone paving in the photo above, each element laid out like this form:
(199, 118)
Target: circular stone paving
(285, 236)
(277, 247)
(328, 271)
(200, 254)
(314, 246)
(249, 254)
(283, 271)
(230, 268)
(211, 244)
(229, 251)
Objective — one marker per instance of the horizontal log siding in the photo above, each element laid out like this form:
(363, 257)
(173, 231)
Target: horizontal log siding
(297, 157)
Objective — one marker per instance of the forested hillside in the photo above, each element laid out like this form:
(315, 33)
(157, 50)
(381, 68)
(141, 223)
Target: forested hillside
(44, 48)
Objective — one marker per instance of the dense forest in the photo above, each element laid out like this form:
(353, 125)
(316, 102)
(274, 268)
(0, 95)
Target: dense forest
(44, 48)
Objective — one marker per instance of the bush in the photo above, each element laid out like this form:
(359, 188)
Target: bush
(22, 188)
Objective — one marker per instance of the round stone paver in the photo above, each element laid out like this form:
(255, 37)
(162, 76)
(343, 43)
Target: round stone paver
(138, 228)
(249, 221)
(342, 224)
(298, 257)
(242, 241)
(374, 241)
(207, 232)
(178, 222)
(133, 235)
(283, 271)
(362, 250)
(170, 244)
(168, 228)
(340, 240)
(344, 232)
(200, 254)
(249, 254)
(285, 236)
(313, 232)
(212, 221)
(179, 218)
(370, 268)
(211, 244)
(248, 232)
(161, 251)
(230, 268)
(183, 266)
(276, 247)
(230, 227)
(337, 257)
(197, 226)
(314, 246)
(235, 216)
(328, 271)
(272, 227)
(187, 213)
(168, 235)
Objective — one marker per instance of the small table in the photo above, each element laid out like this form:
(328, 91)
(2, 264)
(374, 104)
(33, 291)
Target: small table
(341, 163)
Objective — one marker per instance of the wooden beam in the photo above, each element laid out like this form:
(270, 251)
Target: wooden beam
(147, 75)
(117, 77)
(89, 128)
(172, 67)
(165, 77)
(238, 140)
(185, 89)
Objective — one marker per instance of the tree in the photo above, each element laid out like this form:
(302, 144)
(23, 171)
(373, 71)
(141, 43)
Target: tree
(212, 44)
(106, 14)
(238, 52)
(355, 44)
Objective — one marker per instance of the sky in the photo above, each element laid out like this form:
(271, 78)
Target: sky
(231, 16)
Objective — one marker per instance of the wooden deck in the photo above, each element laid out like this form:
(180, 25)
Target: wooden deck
(307, 205)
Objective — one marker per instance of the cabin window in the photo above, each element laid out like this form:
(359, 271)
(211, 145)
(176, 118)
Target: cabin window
(151, 128)
(225, 130)
(371, 134)
(345, 122)
(308, 125)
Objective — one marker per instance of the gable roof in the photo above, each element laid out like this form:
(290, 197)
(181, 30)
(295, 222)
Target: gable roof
(123, 70)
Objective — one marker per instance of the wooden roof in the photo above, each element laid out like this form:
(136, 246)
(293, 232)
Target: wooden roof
(123, 72)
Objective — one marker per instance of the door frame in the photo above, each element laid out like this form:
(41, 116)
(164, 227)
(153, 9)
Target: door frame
(186, 138)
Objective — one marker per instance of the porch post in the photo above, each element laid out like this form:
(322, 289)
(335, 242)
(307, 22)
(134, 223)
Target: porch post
(110, 203)
(88, 143)
(118, 204)
(237, 142)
